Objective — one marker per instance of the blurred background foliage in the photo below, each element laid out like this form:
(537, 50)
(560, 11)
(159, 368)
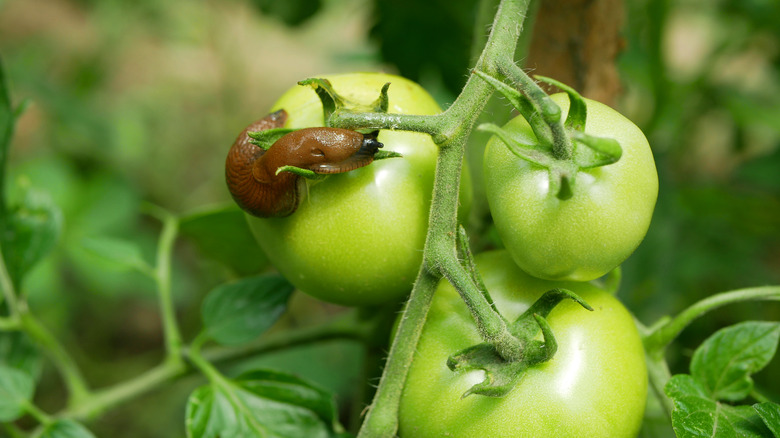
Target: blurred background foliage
(138, 101)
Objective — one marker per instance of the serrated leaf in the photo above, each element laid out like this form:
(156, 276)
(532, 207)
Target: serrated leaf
(770, 414)
(65, 429)
(233, 409)
(18, 351)
(724, 362)
(16, 390)
(31, 231)
(238, 312)
(123, 254)
(698, 415)
(223, 234)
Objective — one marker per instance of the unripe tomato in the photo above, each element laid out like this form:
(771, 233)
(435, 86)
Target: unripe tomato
(357, 237)
(589, 234)
(594, 386)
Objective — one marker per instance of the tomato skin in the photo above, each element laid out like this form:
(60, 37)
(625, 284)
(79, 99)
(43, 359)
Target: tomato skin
(595, 385)
(586, 236)
(357, 238)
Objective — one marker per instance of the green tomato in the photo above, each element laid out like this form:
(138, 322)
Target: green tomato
(357, 237)
(594, 386)
(589, 234)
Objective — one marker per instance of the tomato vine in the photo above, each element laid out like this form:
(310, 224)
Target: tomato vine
(229, 321)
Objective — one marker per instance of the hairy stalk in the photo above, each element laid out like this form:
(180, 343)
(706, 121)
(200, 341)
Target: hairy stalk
(491, 325)
(560, 142)
(440, 245)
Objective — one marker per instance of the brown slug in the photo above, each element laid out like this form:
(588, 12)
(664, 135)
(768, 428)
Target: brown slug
(252, 172)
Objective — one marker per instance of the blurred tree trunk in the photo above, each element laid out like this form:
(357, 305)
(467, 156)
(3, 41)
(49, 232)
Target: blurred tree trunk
(577, 42)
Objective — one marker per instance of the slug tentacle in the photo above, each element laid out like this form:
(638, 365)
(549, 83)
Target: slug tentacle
(251, 171)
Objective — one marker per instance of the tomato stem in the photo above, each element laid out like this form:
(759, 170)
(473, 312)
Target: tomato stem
(450, 131)
(658, 339)
(162, 278)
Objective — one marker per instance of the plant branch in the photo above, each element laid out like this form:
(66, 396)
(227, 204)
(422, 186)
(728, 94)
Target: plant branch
(9, 324)
(492, 327)
(9, 292)
(656, 341)
(162, 277)
(407, 122)
(457, 122)
(107, 398)
(71, 374)
(382, 417)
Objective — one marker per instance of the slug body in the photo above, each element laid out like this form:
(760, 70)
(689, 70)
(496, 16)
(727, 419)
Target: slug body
(253, 175)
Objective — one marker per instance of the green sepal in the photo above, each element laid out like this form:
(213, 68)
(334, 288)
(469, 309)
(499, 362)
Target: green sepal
(382, 103)
(578, 111)
(266, 139)
(517, 99)
(331, 101)
(501, 376)
(383, 154)
(523, 105)
(526, 324)
(306, 173)
(518, 146)
(598, 151)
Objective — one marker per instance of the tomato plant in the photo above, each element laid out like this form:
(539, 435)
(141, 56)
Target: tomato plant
(357, 238)
(595, 385)
(461, 360)
(598, 227)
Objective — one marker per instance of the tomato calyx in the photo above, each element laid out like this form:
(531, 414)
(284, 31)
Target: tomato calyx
(333, 101)
(501, 375)
(563, 156)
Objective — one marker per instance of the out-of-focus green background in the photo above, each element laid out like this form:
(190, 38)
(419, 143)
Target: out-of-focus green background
(138, 101)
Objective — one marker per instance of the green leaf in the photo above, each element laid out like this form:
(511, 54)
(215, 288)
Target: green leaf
(222, 234)
(520, 145)
(724, 362)
(306, 173)
(16, 390)
(65, 429)
(290, 389)
(698, 415)
(31, 231)
(265, 139)
(770, 413)
(260, 404)
(18, 351)
(123, 254)
(238, 312)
